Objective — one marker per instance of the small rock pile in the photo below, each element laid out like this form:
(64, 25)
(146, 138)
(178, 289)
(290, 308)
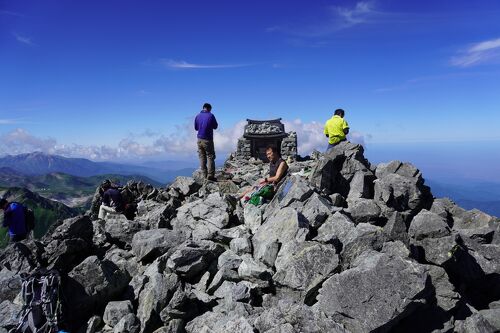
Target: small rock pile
(343, 247)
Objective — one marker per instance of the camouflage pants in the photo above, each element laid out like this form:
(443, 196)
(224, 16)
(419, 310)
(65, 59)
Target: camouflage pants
(206, 151)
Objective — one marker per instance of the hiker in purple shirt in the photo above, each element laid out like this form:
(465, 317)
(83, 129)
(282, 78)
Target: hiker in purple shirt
(205, 123)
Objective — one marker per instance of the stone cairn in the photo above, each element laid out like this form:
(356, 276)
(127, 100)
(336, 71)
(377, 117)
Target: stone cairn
(344, 246)
(270, 131)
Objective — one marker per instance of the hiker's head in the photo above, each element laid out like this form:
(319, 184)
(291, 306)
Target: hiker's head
(3, 203)
(340, 113)
(106, 184)
(272, 153)
(207, 107)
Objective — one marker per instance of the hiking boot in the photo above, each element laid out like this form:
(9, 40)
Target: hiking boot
(212, 178)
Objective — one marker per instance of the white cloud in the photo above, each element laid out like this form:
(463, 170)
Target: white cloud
(23, 39)
(181, 64)
(479, 53)
(337, 18)
(9, 121)
(180, 145)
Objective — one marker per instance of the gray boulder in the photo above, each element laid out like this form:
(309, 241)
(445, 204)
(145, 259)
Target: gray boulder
(286, 225)
(129, 323)
(364, 210)
(155, 295)
(304, 265)
(377, 292)
(10, 285)
(93, 283)
(9, 313)
(252, 217)
(149, 244)
(190, 259)
(316, 210)
(185, 185)
(115, 311)
(335, 229)
(363, 237)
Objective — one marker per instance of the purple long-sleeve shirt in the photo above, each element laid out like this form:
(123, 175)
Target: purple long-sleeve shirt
(13, 218)
(205, 123)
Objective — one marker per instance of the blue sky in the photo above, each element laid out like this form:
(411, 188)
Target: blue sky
(118, 80)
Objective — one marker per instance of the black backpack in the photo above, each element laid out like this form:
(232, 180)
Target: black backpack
(29, 218)
(41, 303)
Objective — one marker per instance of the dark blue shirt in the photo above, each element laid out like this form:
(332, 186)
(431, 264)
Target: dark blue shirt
(13, 218)
(113, 198)
(205, 123)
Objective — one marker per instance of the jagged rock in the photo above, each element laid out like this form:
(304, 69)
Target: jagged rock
(21, 257)
(377, 292)
(337, 200)
(492, 316)
(190, 259)
(64, 254)
(93, 324)
(286, 225)
(229, 259)
(10, 285)
(396, 248)
(292, 193)
(253, 217)
(287, 316)
(174, 326)
(129, 323)
(149, 244)
(253, 271)
(93, 283)
(428, 225)
(363, 237)
(241, 245)
(125, 260)
(185, 185)
(396, 167)
(361, 185)
(115, 311)
(335, 229)
(9, 314)
(223, 274)
(304, 265)
(155, 295)
(401, 192)
(225, 236)
(395, 228)
(364, 210)
(446, 297)
(237, 292)
(154, 214)
(75, 227)
(120, 230)
(316, 210)
(476, 323)
(185, 304)
(215, 320)
(337, 167)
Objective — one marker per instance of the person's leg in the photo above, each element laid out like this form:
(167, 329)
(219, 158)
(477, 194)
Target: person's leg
(211, 159)
(202, 155)
(17, 238)
(104, 210)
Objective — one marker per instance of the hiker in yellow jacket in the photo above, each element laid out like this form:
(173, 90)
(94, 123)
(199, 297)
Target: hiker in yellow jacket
(336, 128)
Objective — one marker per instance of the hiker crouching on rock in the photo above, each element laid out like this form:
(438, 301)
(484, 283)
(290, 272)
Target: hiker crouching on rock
(112, 201)
(278, 169)
(336, 129)
(14, 219)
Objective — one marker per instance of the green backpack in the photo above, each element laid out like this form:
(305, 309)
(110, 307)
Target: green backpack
(266, 192)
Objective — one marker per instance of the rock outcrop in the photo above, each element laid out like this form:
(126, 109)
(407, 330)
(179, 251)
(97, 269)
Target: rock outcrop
(343, 246)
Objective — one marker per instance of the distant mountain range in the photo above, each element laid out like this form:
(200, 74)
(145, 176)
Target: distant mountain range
(38, 163)
(68, 189)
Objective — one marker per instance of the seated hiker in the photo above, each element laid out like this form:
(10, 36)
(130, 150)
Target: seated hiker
(112, 201)
(336, 129)
(14, 219)
(278, 169)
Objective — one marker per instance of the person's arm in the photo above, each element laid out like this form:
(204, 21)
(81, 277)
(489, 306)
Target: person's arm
(279, 173)
(7, 214)
(196, 123)
(345, 127)
(325, 131)
(214, 124)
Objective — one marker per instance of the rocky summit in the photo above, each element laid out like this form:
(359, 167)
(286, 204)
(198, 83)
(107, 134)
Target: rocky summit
(343, 246)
